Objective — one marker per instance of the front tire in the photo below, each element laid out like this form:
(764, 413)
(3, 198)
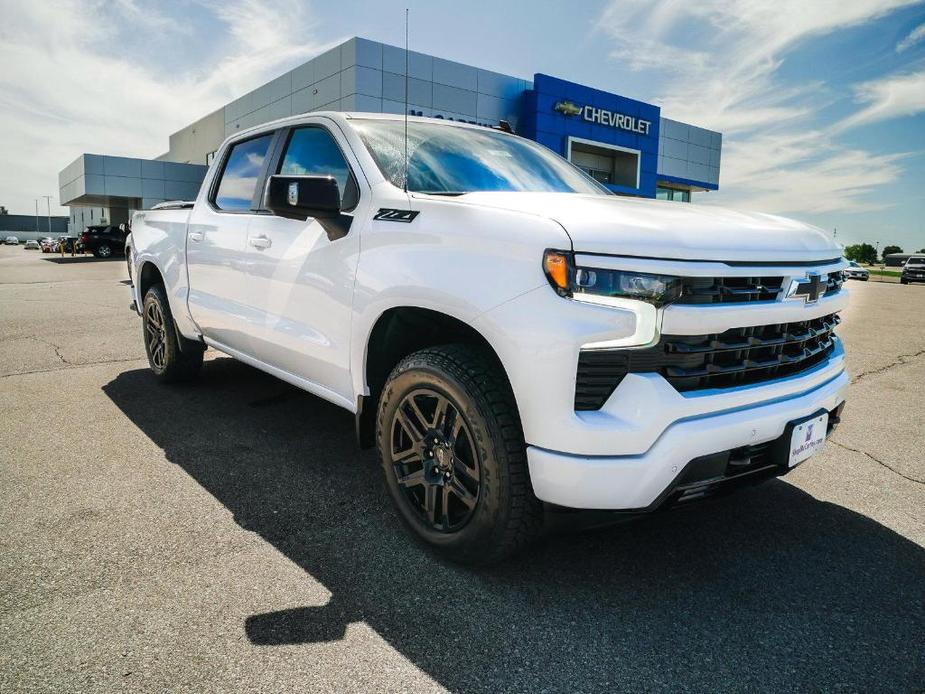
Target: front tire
(167, 360)
(452, 450)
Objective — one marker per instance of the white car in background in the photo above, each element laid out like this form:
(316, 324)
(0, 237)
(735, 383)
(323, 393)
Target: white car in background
(31, 246)
(11, 241)
(856, 272)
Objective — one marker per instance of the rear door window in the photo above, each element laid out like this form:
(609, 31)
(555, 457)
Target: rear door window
(242, 169)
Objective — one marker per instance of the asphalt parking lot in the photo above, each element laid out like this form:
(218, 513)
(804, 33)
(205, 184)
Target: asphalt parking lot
(230, 536)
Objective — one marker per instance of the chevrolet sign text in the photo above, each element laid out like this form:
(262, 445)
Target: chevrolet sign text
(615, 120)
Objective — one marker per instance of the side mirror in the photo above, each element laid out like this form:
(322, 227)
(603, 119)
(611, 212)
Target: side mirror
(301, 197)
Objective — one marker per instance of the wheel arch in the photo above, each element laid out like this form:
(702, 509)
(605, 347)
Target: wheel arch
(396, 333)
(148, 275)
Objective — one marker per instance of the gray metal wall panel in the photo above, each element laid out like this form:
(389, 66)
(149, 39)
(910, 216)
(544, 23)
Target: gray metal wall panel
(454, 99)
(457, 75)
(358, 51)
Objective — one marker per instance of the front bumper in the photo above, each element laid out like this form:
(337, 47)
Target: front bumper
(628, 452)
(641, 482)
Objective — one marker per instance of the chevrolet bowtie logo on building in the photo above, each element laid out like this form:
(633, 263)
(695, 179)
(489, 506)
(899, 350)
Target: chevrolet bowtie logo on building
(603, 116)
(811, 288)
(567, 108)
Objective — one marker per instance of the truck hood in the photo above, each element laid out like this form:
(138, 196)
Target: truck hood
(660, 229)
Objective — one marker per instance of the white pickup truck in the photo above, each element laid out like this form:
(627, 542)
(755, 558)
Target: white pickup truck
(509, 334)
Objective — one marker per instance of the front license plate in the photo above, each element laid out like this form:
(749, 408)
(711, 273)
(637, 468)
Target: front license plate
(808, 438)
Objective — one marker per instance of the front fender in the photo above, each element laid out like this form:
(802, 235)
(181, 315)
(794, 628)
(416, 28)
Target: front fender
(455, 259)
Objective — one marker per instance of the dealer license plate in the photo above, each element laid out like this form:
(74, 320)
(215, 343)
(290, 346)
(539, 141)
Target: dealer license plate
(808, 438)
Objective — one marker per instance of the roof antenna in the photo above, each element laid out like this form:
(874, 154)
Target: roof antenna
(406, 100)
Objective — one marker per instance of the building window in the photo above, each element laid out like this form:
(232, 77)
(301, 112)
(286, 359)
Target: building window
(605, 163)
(675, 194)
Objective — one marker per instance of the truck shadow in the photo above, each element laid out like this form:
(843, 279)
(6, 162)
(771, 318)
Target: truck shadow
(77, 259)
(770, 589)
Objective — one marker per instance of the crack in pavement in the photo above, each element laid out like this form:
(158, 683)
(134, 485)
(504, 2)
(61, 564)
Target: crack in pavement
(70, 366)
(900, 361)
(878, 461)
(20, 300)
(55, 347)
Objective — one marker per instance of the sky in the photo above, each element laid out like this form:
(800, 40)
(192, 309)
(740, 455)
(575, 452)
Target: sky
(821, 102)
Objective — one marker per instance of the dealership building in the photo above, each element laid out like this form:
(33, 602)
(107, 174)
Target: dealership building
(625, 144)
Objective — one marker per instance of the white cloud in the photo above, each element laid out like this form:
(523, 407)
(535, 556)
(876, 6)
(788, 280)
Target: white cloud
(68, 84)
(914, 37)
(893, 96)
(715, 63)
(790, 172)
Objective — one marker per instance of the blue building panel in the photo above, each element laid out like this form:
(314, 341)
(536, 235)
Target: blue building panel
(688, 182)
(563, 110)
(556, 110)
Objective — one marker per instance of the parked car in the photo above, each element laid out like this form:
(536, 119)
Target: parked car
(510, 335)
(913, 270)
(48, 244)
(11, 241)
(31, 246)
(855, 272)
(104, 241)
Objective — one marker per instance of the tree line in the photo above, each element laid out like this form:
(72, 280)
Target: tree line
(867, 254)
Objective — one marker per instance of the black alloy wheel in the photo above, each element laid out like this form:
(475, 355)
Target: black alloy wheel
(171, 356)
(104, 251)
(156, 336)
(453, 455)
(435, 459)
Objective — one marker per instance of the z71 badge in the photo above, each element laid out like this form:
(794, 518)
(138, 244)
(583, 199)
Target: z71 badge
(386, 214)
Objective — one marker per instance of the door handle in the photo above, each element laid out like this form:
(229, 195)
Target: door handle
(195, 236)
(259, 241)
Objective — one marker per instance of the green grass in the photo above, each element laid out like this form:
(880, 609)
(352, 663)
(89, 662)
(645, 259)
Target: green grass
(885, 273)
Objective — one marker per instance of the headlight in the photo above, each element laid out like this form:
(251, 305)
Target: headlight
(596, 284)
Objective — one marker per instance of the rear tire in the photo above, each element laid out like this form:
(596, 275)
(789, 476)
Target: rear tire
(167, 360)
(103, 251)
(452, 450)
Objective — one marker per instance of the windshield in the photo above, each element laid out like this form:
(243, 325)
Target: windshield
(915, 261)
(448, 160)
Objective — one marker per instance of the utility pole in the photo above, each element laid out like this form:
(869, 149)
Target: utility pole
(48, 204)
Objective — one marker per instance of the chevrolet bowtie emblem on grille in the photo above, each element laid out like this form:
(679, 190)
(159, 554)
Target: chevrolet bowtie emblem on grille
(810, 288)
